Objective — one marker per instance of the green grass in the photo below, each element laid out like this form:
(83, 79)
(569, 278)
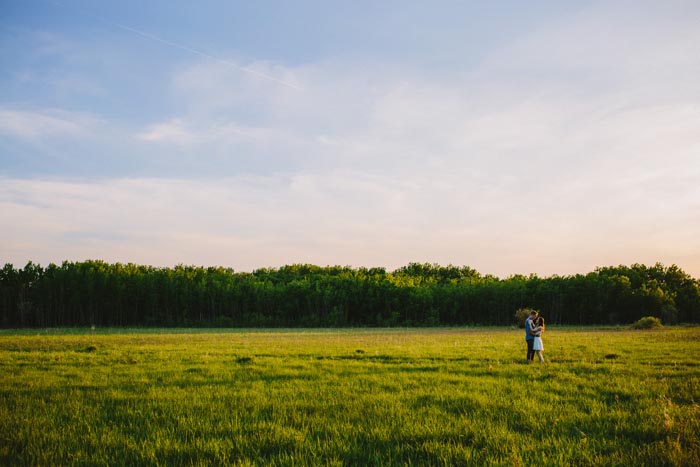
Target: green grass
(349, 397)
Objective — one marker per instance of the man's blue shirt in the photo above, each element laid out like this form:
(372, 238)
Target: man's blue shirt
(528, 336)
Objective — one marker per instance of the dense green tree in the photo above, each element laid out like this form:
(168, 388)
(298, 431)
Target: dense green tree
(96, 293)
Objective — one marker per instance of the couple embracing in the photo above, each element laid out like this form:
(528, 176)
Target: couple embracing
(534, 327)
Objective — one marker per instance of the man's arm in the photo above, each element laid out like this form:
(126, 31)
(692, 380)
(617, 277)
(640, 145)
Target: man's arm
(531, 326)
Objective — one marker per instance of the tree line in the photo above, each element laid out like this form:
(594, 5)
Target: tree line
(96, 293)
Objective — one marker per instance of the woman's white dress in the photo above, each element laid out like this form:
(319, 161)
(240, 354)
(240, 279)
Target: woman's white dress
(537, 344)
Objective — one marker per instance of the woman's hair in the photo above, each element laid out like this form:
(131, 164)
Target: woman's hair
(540, 321)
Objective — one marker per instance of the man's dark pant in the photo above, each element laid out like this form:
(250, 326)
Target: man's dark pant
(530, 352)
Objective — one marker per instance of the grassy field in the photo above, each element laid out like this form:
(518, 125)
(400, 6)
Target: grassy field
(349, 397)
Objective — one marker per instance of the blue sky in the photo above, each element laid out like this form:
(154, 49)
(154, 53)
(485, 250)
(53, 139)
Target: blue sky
(514, 137)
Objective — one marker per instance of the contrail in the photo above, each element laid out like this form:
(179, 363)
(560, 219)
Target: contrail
(182, 47)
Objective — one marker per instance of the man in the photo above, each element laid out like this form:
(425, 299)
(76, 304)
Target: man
(529, 338)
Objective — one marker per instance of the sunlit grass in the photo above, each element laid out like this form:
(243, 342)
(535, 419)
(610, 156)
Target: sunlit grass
(349, 397)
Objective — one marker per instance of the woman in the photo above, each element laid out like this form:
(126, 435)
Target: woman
(537, 344)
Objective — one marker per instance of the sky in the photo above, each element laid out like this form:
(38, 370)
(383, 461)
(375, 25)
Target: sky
(513, 137)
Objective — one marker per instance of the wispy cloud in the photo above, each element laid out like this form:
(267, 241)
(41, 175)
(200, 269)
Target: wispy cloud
(45, 123)
(171, 131)
(177, 131)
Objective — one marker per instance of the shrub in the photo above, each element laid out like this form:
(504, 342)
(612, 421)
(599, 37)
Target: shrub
(521, 315)
(647, 322)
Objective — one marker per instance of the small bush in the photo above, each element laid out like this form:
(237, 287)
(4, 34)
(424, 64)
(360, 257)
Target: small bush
(648, 322)
(521, 315)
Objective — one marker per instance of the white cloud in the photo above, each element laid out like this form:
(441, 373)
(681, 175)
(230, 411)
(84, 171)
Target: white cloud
(171, 131)
(177, 131)
(45, 123)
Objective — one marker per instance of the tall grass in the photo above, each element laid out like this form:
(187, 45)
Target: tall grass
(350, 397)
